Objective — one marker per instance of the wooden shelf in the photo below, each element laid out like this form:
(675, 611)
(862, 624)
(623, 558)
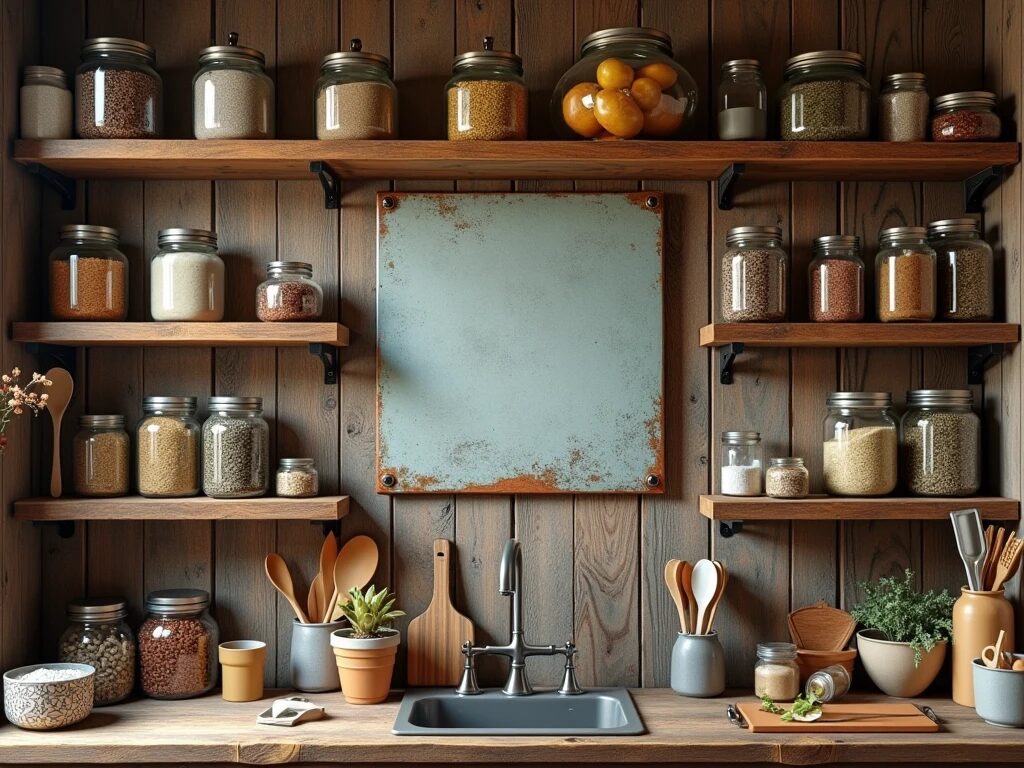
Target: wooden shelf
(321, 508)
(859, 334)
(156, 334)
(747, 508)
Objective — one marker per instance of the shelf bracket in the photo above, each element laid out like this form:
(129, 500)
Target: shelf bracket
(65, 528)
(328, 526)
(66, 188)
(64, 357)
(729, 528)
(727, 356)
(331, 184)
(329, 357)
(978, 359)
(726, 181)
(978, 186)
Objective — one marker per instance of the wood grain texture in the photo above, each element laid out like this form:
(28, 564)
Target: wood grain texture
(325, 508)
(717, 507)
(859, 335)
(160, 334)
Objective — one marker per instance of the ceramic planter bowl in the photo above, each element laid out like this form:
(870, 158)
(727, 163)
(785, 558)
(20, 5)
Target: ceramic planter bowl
(891, 665)
(365, 665)
(999, 695)
(45, 706)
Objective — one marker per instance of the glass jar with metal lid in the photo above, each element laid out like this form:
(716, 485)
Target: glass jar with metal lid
(297, 477)
(232, 94)
(940, 441)
(828, 684)
(236, 448)
(742, 101)
(97, 634)
(903, 108)
(742, 463)
(118, 93)
(487, 96)
(178, 645)
(825, 97)
(776, 673)
(625, 84)
(753, 276)
(289, 293)
(836, 280)
(787, 478)
(966, 116)
(167, 447)
(186, 277)
(355, 97)
(905, 275)
(101, 456)
(88, 275)
(860, 444)
(966, 277)
(45, 104)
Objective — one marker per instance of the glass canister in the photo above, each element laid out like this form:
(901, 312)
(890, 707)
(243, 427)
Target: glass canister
(45, 104)
(232, 94)
(776, 673)
(966, 116)
(355, 97)
(828, 684)
(167, 447)
(752, 279)
(186, 277)
(966, 272)
(836, 280)
(297, 477)
(626, 84)
(978, 617)
(88, 275)
(487, 96)
(236, 448)
(825, 97)
(940, 439)
(742, 463)
(742, 101)
(97, 634)
(903, 107)
(905, 275)
(289, 293)
(118, 93)
(101, 456)
(860, 444)
(178, 645)
(787, 478)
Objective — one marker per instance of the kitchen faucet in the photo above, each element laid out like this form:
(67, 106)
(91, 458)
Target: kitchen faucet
(510, 584)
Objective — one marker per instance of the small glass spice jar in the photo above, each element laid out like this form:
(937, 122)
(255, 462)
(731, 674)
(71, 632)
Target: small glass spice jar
(98, 635)
(828, 684)
(88, 275)
(297, 477)
(860, 444)
(355, 97)
(487, 96)
(966, 272)
(232, 94)
(45, 104)
(905, 275)
(776, 673)
(101, 450)
(186, 277)
(940, 442)
(167, 447)
(178, 645)
(752, 278)
(836, 280)
(903, 108)
(825, 97)
(236, 448)
(118, 93)
(966, 116)
(289, 293)
(787, 478)
(742, 463)
(742, 101)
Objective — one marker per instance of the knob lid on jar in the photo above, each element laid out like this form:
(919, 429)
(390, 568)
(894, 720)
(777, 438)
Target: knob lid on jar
(97, 609)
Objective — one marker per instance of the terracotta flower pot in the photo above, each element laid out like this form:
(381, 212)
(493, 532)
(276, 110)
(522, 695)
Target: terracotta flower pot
(891, 665)
(365, 666)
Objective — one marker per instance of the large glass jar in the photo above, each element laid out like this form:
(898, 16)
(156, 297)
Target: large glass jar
(236, 448)
(355, 97)
(860, 444)
(98, 635)
(825, 97)
(289, 293)
(167, 445)
(626, 84)
(100, 451)
(836, 280)
(487, 96)
(966, 116)
(776, 673)
(118, 93)
(742, 464)
(88, 275)
(752, 279)
(742, 101)
(905, 275)
(178, 645)
(965, 270)
(45, 104)
(186, 277)
(232, 95)
(940, 442)
(903, 108)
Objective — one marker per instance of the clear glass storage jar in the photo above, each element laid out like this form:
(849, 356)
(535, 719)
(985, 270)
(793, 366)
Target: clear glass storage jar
(776, 673)
(236, 448)
(787, 478)
(486, 96)
(98, 635)
(355, 97)
(232, 94)
(100, 451)
(297, 477)
(940, 443)
(742, 464)
(752, 279)
(118, 93)
(186, 277)
(825, 97)
(178, 645)
(167, 447)
(860, 444)
(828, 684)
(836, 280)
(88, 275)
(905, 275)
(45, 104)
(966, 280)
(966, 116)
(742, 101)
(903, 108)
(289, 293)
(626, 84)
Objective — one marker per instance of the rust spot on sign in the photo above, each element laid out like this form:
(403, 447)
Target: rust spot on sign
(656, 440)
(545, 482)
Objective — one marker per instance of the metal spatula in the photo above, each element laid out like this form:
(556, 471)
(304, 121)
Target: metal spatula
(970, 540)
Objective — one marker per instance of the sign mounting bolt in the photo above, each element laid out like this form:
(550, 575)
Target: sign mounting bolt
(388, 203)
(388, 481)
(653, 481)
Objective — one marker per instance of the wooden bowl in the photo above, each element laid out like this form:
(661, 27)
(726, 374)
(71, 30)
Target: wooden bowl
(811, 661)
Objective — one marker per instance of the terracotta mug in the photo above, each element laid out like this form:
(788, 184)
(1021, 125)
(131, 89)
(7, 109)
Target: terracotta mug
(977, 619)
(242, 676)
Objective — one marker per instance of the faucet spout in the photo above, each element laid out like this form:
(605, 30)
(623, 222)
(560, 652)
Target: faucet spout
(511, 568)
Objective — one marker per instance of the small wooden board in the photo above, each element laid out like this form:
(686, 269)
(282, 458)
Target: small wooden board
(902, 718)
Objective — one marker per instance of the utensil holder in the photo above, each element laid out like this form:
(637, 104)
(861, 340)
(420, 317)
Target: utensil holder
(312, 659)
(242, 674)
(1000, 699)
(698, 665)
(977, 619)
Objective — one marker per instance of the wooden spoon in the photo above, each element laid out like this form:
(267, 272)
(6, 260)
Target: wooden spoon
(686, 584)
(672, 570)
(706, 583)
(328, 554)
(354, 567)
(314, 610)
(277, 572)
(723, 579)
(59, 395)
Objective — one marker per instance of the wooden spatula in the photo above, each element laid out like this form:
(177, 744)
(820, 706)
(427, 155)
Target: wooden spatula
(994, 553)
(675, 588)
(1008, 563)
(59, 392)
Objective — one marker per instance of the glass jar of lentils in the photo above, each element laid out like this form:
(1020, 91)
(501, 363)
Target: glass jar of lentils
(167, 447)
(825, 97)
(178, 645)
(836, 280)
(487, 96)
(289, 293)
(232, 94)
(101, 456)
(966, 116)
(97, 634)
(940, 441)
(966, 272)
(752, 278)
(905, 275)
(118, 93)
(787, 478)
(355, 97)
(903, 108)
(860, 444)
(236, 448)
(88, 275)
(297, 477)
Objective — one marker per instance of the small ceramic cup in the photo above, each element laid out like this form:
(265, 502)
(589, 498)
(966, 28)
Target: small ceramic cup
(312, 659)
(242, 677)
(698, 665)
(999, 695)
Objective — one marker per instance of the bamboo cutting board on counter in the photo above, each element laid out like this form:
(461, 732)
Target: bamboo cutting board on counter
(843, 718)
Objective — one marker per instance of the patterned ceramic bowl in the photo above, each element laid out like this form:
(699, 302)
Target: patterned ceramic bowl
(43, 706)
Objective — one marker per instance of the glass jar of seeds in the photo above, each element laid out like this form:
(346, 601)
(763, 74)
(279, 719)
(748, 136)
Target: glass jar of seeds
(118, 93)
(232, 95)
(236, 448)
(966, 116)
(905, 275)
(752, 279)
(966, 272)
(836, 280)
(903, 108)
(940, 442)
(88, 275)
(98, 635)
(355, 97)
(167, 447)
(787, 478)
(860, 444)
(186, 277)
(825, 97)
(289, 293)
(297, 477)
(776, 673)
(487, 96)
(45, 104)
(742, 101)
(101, 456)
(742, 463)
(178, 645)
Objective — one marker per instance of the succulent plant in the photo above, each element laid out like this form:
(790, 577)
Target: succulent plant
(368, 612)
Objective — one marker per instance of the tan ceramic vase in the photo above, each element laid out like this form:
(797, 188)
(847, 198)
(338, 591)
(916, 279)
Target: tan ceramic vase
(365, 666)
(977, 619)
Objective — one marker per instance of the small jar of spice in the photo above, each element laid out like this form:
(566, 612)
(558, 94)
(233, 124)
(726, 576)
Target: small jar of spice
(787, 478)
(905, 275)
(88, 275)
(45, 104)
(903, 108)
(178, 645)
(776, 673)
(167, 444)
(297, 478)
(119, 94)
(289, 293)
(742, 101)
(828, 684)
(742, 463)
(232, 94)
(487, 96)
(966, 116)
(966, 270)
(836, 279)
(101, 456)
(355, 97)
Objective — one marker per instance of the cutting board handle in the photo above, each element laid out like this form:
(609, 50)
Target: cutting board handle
(442, 570)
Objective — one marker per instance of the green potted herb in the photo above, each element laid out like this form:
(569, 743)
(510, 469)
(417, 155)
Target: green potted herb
(365, 651)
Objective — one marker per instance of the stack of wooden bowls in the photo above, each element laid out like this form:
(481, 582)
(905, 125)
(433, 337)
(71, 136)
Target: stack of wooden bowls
(821, 634)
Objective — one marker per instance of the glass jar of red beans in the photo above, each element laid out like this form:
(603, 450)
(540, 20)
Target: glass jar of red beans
(836, 280)
(966, 116)
(289, 293)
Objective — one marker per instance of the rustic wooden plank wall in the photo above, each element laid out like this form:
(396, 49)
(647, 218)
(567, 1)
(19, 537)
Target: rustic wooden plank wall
(593, 564)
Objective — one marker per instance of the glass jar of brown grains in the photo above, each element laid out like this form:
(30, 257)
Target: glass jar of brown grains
(752, 277)
(101, 456)
(487, 96)
(903, 108)
(836, 280)
(905, 275)
(167, 445)
(966, 279)
(118, 93)
(98, 635)
(966, 116)
(940, 440)
(355, 98)
(825, 97)
(178, 645)
(88, 275)
(787, 478)
(289, 293)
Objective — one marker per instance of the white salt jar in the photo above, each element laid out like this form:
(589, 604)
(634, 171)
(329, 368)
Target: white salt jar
(187, 277)
(742, 465)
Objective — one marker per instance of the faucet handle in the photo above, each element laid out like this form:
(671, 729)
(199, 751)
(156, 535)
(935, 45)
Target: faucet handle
(468, 686)
(570, 686)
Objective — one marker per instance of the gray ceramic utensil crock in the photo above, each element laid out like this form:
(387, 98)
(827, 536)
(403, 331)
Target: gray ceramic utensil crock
(312, 660)
(999, 695)
(698, 665)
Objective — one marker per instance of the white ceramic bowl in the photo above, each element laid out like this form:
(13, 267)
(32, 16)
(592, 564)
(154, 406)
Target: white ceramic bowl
(44, 706)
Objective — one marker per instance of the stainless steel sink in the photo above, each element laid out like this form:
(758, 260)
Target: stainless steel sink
(441, 712)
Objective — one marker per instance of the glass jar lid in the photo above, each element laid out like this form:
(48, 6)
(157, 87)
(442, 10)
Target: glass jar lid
(296, 463)
(97, 609)
(940, 397)
(741, 65)
(894, 234)
(985, 99)
(827, 242)
(225, 403)
(741, 437)
(487, 56)
(89, 232)
(824, 58)
(776, 651)
(354, 55)
(298, 267)
(186, 236)
(615, 35)
(177, 601)
(169, 403)
(232, 52)
(786, 461)
(859, 399)
(43, 73)
(904, 79)
(964, 226)
(108, 420)
(119, 45)
(736, 235)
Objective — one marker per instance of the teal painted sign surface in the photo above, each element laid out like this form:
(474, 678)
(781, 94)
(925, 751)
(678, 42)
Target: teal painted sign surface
(519, 343)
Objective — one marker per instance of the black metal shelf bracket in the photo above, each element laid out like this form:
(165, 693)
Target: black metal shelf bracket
(65, 528)
(329, 356)
(331, 184)
(729, 528)
(727, 356)
(66, 188)
(726, 181)
(328, 526)
(978, 187)
(979, 358)
(64, 357)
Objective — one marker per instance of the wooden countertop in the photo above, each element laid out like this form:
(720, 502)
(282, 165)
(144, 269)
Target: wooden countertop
(210, 731)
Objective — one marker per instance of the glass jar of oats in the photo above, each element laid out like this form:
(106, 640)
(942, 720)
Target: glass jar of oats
(167, 447)
(860, 444)
(355, 97)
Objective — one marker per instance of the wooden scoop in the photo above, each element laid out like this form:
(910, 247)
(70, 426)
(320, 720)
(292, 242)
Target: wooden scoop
(59, 395)
(354, 567)
(992, 655)
(672, 581)
(324, 581)
(281, 578)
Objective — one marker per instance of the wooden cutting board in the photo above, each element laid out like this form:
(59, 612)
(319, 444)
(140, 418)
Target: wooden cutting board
(908, 719)
(436, 636)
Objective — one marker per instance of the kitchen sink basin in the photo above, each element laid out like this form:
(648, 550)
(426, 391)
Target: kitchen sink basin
(442, 712)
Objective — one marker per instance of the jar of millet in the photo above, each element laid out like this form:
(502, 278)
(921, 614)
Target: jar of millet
(487, 96)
